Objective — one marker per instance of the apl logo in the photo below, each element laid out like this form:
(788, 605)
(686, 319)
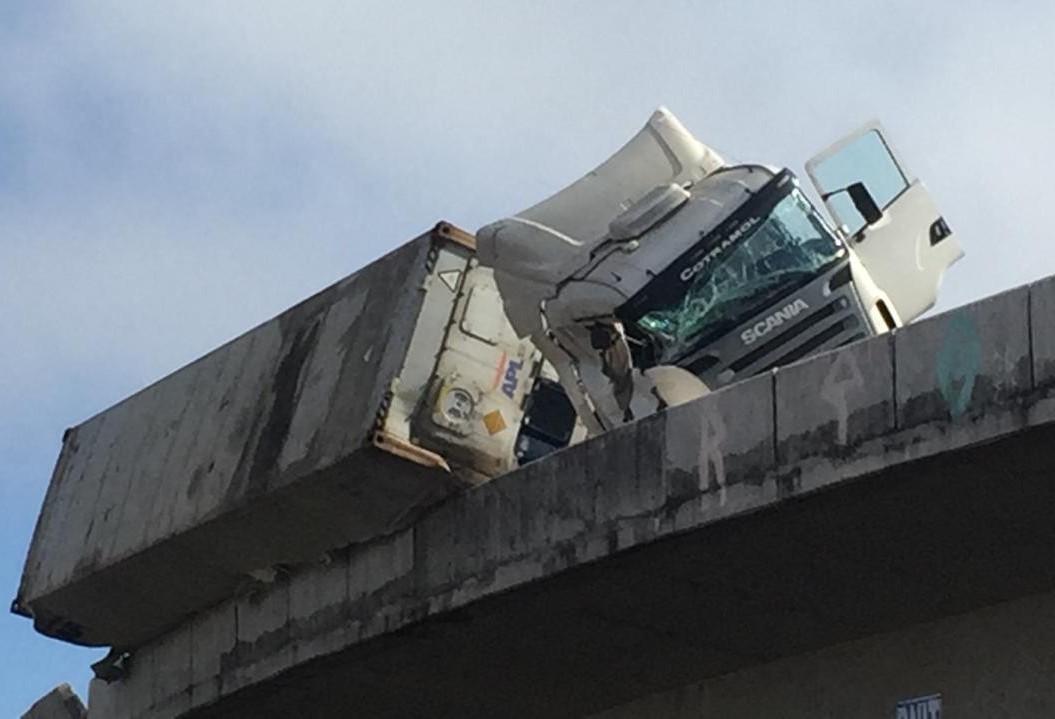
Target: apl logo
(512, 378)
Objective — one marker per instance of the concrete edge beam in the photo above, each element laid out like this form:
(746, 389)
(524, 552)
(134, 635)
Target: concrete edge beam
(680, 470)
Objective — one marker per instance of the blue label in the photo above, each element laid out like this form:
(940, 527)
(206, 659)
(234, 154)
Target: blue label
(512, 379)
(920, 708)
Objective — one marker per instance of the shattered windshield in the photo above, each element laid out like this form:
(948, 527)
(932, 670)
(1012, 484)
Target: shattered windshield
(765, 256)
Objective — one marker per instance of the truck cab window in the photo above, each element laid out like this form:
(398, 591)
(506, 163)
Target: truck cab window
(768, 249)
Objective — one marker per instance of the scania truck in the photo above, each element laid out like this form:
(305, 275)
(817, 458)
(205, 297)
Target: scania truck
(662, 274)
(667, 271)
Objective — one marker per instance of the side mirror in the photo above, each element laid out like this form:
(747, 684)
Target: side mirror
(864, 203)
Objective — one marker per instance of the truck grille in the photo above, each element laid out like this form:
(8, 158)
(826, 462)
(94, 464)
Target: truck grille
(786, 336)
(837, 321)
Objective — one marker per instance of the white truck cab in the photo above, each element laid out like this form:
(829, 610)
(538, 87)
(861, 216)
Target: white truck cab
(667, 267)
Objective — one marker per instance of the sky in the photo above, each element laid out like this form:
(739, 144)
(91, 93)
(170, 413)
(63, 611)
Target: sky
(172, 174)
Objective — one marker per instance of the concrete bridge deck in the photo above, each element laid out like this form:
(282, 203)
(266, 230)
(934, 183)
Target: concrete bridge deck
(895, 481)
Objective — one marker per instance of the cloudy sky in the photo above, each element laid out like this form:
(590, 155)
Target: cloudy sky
(172, 174)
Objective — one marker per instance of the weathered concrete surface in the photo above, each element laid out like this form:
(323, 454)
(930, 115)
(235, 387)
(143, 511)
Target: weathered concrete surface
(60, 703)
(763, 521)
(993, 663)
(255, 454)
(964, 362)
(1042, 327)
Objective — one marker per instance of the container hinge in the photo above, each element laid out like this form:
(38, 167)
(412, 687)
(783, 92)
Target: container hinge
(455, 234)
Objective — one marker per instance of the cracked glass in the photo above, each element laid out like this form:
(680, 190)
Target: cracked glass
(777, 254)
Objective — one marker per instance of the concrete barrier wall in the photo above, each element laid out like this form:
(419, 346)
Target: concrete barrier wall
(960, 379)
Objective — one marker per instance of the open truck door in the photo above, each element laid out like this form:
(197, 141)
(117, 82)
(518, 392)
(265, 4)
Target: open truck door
(890, 221)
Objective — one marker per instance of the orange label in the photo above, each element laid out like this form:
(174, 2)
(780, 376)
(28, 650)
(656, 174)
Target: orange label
(494, 422)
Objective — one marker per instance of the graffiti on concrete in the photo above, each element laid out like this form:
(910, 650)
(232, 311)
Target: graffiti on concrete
(843, 377)
(958, 362)
(712, 435)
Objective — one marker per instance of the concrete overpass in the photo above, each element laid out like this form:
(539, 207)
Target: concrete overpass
(862, 527)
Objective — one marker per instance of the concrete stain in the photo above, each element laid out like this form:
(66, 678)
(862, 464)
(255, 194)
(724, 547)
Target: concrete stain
(985, 395)
(259, 458)
(838, 438)
(195, 482)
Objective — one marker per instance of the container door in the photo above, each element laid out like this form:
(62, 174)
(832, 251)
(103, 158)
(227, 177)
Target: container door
(907, 250)
(482, 375)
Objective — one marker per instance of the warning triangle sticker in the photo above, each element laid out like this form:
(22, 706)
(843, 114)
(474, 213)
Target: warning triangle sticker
(450, 278)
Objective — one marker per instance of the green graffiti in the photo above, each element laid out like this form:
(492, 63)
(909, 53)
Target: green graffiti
(958, 362)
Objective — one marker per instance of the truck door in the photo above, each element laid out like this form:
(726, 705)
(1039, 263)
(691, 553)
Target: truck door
(908, 249)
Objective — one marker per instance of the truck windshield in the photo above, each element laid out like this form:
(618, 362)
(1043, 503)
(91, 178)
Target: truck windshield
(771, 246)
